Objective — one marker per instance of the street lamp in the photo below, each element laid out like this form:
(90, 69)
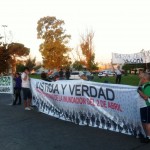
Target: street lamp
(5, 46)
(4, 26)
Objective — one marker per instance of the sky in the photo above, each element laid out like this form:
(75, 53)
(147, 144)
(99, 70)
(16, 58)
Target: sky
(120, 26)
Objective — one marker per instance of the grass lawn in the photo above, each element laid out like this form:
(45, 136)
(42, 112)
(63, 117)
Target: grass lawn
(36, 76)
(128, 80)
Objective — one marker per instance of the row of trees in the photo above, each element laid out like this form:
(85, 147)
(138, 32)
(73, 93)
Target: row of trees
(134, 67)
(55, 50)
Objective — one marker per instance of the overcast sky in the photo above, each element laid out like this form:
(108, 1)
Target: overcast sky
(121, 26)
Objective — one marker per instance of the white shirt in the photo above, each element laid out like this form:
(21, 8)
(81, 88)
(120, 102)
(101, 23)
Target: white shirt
(118, 72)
(25, 83)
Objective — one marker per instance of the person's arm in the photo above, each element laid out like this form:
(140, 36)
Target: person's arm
(113, 69)
(145, 97)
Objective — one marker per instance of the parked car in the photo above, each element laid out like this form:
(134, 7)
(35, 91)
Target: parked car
(76, 75)
(88, 74)
(106, 73)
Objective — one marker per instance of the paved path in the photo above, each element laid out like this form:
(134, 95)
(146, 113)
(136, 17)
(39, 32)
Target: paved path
(31, 130)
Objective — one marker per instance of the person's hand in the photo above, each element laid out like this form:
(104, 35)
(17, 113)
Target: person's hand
(139, 89)
(145, 97)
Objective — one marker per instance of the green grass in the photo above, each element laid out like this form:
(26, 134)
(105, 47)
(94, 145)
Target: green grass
(36, 76)
(127, 80)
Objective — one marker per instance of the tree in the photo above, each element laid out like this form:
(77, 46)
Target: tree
(17, 50)
(87, 48)
(20, 67)
(54, 48)
(10, 53)
(133, 67)
(4, 59)
(30, 63)
(77, 65)
(38, 66)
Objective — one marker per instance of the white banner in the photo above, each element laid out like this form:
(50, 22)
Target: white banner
(136, 58)
(108, 106)
(6, 84)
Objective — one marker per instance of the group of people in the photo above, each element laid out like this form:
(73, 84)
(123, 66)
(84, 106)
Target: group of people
(22, 82)
(61, 74)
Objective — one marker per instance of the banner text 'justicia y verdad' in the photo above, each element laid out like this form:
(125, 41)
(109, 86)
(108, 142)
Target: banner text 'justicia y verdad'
(107, 106)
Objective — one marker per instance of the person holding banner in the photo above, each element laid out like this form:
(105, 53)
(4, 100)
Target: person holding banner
(144, 92)
(26, 88)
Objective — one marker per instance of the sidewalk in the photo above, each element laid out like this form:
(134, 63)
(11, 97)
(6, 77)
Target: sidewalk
(31, 130)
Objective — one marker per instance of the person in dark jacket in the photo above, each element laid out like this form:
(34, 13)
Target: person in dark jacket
(61, 74)
(44, 76)
(17, 89)
(67, 74)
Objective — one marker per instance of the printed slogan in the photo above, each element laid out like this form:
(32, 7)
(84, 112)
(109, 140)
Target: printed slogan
(6, 84)
(107, 106)
(135, 58)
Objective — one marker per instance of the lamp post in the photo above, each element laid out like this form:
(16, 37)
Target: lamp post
(0, 39)
(4, 26)
(5, 47)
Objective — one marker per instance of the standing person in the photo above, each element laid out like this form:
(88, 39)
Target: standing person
(44, 76)
(67, 74)
(144, 92)
(26, 88)
(17, 89)
(61, 74)
(118, 73)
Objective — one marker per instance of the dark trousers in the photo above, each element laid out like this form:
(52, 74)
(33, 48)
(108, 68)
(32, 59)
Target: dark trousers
(67, 77)
(17, 96)
(118, 79)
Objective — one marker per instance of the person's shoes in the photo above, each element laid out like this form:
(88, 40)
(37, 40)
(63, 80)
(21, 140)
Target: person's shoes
(27, 108)
(30, 107)
(145, 140)
(14, 103)
(18, 103)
